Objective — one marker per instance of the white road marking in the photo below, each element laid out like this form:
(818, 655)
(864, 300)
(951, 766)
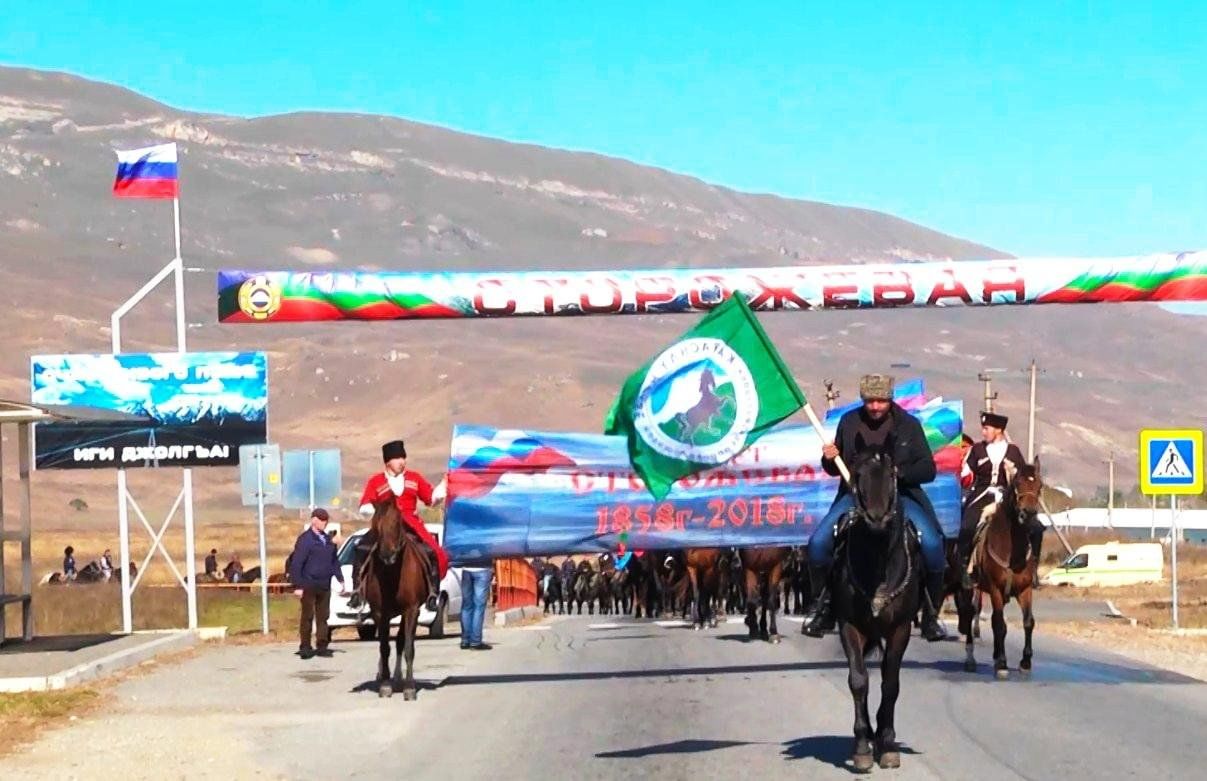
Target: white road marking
(536, 628)
(604, 626)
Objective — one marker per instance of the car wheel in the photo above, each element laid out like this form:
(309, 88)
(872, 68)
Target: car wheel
(436, 630)
(367, 632)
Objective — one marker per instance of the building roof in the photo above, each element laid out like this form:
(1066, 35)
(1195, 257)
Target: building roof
(24, 412)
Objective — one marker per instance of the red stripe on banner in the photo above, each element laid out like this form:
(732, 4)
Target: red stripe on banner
(1113, 292)
(381, 310)
(146, 188)
(1186, 289)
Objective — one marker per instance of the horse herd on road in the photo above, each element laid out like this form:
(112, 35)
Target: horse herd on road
(697, 583)
(876, 589)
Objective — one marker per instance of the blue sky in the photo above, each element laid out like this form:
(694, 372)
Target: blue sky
(1044, 128)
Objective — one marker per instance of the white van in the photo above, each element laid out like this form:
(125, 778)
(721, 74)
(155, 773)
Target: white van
(342, 615)
(1112, 564)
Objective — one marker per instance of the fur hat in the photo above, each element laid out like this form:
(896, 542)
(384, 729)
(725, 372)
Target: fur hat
(997, 421)
(876, 386)
(392, 450)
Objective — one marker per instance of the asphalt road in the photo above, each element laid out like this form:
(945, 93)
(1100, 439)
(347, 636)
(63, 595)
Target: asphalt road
(595, 697)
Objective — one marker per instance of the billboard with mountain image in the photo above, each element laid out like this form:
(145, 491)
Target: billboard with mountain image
(189, 409)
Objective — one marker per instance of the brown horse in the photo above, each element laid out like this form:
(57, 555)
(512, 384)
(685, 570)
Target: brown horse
(1005, 566)
(764, 567)
(704, 576)
(395, 584)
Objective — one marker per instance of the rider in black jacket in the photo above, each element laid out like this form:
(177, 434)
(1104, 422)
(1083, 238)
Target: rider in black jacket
(879, 422)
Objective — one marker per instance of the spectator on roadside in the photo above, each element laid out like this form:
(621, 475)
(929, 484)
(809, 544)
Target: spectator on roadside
(211, 564)
(69, 563)
(475, 594)
(233, 572)
(313, 564)
(107, 564)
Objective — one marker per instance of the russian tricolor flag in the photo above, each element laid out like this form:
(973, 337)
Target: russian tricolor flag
(147, 173)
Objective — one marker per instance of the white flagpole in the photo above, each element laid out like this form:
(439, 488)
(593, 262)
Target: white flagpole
(821, 433)
(190, 562)
(179, 278)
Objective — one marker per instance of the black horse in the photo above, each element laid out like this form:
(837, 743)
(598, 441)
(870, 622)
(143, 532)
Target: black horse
(877, 589)
(584, 587)
(551, 589)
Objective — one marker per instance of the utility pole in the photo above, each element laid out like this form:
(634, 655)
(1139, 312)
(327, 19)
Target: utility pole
(1110, 492)
(986, 377)
(1031, 416)
(831, 394)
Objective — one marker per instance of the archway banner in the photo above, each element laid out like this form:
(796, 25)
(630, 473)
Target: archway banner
(526, 493)
(289, 296)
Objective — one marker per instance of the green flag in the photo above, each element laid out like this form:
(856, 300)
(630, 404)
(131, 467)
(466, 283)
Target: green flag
(704, 399)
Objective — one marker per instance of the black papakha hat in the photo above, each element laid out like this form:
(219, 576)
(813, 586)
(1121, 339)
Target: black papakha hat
(394, 449)
(995, 420)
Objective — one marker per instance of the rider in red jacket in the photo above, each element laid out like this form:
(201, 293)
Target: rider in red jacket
(407, 488)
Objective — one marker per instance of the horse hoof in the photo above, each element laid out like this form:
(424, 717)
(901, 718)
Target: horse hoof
(409, 695)
(697, 627)
(863, 763)
(890, 760)
(969, 666)
(775, 639)
(385, 691)
(1002, 673)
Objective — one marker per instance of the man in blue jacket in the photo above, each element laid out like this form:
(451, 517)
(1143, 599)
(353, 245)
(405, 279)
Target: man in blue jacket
(312, 566)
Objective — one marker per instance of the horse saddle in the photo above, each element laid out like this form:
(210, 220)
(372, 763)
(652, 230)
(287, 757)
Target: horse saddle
(980, 547)
(844, 525)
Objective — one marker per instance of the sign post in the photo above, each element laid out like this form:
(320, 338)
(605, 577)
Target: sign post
(312, 478)
(1171, 464)
(261, 485)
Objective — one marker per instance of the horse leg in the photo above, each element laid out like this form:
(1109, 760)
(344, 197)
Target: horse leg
(999, 633)
(964, 605)
(384, 687)
(410, 624)
(697, 608)
(752, 602)
(857, 679)
(890, 687)
(710, 600)
(400, 641)
(1024, 602)
(773, 590)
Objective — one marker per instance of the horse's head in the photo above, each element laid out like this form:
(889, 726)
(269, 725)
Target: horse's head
(874, 479)
(387, 520)
(1025, 486)
(708, 382)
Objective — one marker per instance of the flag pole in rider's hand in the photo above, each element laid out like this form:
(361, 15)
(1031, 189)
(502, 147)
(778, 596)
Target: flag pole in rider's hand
(821, 432)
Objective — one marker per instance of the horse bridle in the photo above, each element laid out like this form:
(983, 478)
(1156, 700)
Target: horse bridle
(1028, 514)
(859, 514)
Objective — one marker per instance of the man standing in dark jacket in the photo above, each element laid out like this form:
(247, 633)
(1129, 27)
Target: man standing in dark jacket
(312, 566)
(877, 424)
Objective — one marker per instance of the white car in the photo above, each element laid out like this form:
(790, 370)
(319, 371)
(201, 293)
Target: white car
(342, 615)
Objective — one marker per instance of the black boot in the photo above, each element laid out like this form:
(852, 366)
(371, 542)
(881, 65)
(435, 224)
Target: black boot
(821, 620)
(1037, 543)
(433, 574)
(964, 556)
(932, 630)
(359, 554)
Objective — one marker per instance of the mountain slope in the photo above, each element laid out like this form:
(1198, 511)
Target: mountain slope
(324, 191)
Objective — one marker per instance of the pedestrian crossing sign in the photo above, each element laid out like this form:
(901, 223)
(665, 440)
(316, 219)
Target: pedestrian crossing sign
(1171, 462)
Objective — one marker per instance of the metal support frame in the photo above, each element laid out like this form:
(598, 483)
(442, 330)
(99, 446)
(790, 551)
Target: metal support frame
(23, 535)
(175, 269)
